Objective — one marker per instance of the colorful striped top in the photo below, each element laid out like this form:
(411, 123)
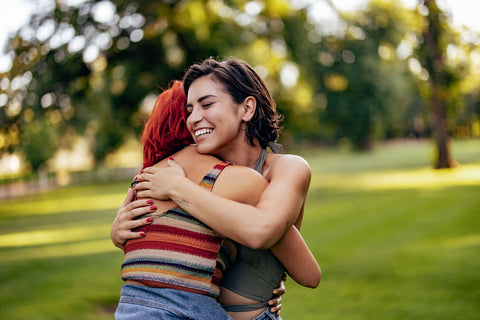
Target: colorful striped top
(178, 251)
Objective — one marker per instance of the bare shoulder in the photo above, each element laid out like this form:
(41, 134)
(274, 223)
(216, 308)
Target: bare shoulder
(191, 159)
(241, 184)
(241, 175)
(288, 164)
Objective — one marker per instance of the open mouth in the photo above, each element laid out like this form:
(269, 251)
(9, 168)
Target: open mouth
(202, 132)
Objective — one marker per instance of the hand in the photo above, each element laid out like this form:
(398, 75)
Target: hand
(276, 302)
(156, 182)
(124, 221)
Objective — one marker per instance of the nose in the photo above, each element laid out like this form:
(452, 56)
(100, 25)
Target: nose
(195, 116)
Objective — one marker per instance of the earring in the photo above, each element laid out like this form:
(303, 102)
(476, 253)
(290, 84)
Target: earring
(243, 127)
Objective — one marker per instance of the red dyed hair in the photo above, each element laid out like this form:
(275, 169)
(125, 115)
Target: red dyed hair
(166, 130)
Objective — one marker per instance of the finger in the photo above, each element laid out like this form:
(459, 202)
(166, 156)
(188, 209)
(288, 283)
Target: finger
(273, 309)
(150, 170)
(276, 309)
(145, 202)
(141, 185)
(129, 197)
(279, 291)
(134, 213)
(140, 223)
(178, 167)
(147, 193)
(275, 301)
(143, 177)
(136, 235)
(282, 288)
(171, 162)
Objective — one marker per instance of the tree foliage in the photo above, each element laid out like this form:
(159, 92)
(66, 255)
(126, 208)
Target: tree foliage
(94, 69)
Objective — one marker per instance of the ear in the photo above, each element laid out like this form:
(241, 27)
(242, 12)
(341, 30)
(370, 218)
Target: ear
(249, 107)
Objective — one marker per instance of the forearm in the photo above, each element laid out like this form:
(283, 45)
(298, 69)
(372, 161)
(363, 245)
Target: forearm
(251, 226)
(297, 258)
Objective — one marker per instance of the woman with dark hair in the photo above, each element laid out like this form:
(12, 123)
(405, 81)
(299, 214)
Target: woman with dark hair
(175, 266)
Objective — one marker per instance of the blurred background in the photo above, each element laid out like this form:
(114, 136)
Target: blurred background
(381, 97)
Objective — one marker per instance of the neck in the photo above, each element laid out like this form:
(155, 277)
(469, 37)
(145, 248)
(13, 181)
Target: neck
(244, 155)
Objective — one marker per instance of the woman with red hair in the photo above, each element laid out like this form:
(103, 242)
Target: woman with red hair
(166, 131)
(174, 263)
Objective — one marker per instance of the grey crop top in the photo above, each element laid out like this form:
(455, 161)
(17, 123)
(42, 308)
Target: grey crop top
(255, 273)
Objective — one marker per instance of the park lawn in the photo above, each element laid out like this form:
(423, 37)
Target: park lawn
(395, 240)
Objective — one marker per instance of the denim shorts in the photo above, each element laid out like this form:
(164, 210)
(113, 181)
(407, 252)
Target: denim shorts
(146, 303)
(267, 315)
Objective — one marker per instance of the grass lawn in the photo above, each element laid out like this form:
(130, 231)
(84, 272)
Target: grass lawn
(395, 240)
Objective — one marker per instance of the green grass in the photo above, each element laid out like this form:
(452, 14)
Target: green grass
(395, 240)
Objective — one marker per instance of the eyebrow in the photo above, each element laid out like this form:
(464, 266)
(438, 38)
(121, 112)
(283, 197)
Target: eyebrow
(202, 98)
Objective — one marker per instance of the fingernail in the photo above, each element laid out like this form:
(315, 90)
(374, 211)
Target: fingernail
(275, 291)
(149, 219)
(170, 158)
(270, 302)
(149, 201)
(153, 208)
(142, 234)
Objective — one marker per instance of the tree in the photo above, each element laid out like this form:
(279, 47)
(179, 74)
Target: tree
(439, 78)
(39, 143)
(87, 68)
(363, 89)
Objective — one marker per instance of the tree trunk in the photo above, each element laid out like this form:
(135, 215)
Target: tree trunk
(440, 132)
(438, 103)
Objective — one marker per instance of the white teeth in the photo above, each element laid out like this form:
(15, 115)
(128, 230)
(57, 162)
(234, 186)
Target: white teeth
(201, 132)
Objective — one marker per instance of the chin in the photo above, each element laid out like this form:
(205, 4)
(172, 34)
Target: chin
(204, 149)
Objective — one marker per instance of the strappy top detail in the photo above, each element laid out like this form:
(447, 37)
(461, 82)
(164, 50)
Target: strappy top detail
(178, 251)
(255, 273)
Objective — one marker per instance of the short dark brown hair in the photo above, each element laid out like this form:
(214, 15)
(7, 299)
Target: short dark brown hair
(241, 81)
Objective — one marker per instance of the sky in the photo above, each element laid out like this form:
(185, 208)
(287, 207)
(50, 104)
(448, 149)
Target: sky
(15, 13)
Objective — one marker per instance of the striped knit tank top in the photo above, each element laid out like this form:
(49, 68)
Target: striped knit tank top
(178, 251)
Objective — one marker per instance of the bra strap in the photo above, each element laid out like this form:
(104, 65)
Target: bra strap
(261, 161)
(275, 147)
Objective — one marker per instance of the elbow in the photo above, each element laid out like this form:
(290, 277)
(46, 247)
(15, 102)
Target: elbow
(260, 237)
(315, 281)
(311, 280)
(258, 242)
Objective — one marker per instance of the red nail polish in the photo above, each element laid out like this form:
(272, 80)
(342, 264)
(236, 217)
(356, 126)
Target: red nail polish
(149, 201)
(153, 208)
(170, 158)
(142, 234)
(149, 219)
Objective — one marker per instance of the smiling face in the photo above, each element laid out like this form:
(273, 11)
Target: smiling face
(214, 119)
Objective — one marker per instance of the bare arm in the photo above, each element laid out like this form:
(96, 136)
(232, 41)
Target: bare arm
(259, 226)
(296, 257)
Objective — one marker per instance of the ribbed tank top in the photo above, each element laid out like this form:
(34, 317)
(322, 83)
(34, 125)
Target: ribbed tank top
(178, 251)
(255, 273)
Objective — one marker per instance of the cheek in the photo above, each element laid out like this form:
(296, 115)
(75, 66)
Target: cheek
(189, 124)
